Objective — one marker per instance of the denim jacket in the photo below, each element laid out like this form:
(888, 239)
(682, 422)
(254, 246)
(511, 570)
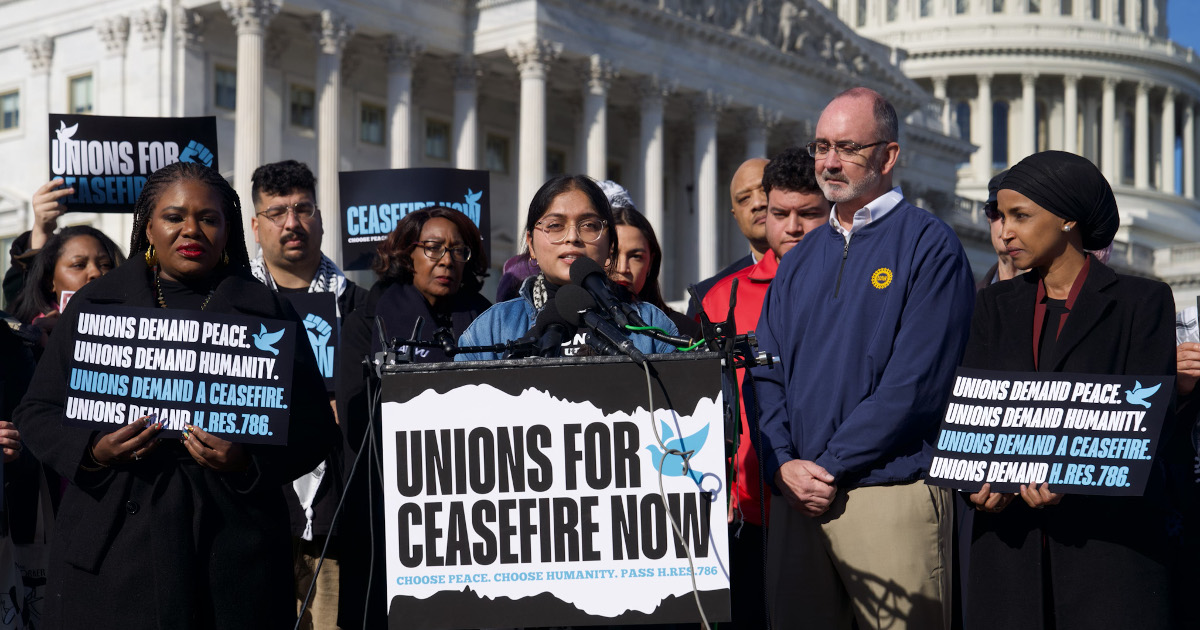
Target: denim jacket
(512, 319)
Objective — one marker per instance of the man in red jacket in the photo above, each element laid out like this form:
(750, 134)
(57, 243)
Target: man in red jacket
(795, 206)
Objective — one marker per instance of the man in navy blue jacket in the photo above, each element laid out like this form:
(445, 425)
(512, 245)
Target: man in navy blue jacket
(868, 316)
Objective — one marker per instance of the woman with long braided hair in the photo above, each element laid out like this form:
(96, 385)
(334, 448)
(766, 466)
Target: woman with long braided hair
(191, 533)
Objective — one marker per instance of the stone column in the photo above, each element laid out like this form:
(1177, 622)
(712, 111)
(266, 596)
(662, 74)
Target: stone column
(39, 51)
(189, 32)
(1028, 115)
(1071, 113)
(150, 24)
(1168, 141)
(533, 59)
(333, 32)
(759, 122)
(1141, 137)
(652, 91)
(401, 55)
(466, 117)
(706, 108)
(1133, 15)
(1108, 139)
(114, 34)
(1090, 133)
(598, 76)
(983, 129)
(939, 91)
(250, 18)
(1189, 149)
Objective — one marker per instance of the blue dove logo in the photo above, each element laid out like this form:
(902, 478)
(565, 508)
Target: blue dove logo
(1139, 394)
(473, 197)
(263, 340)
(673, 465)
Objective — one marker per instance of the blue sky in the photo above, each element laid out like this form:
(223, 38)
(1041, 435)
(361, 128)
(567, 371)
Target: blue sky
(1183, 22)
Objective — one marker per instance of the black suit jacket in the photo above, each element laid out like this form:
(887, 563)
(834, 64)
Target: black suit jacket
(1118, 325)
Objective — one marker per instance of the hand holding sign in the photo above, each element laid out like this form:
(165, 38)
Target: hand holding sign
(987, 501)
(47, 206)
(127, 444)
(1039, 497)
(212, 452)
(10, 441)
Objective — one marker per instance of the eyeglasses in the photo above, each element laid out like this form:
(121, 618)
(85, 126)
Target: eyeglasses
(558, 231)
(277, 215)
(434, 250)
(845, 149)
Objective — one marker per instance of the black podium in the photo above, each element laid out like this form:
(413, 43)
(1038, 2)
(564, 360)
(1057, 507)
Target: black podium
(526, 493)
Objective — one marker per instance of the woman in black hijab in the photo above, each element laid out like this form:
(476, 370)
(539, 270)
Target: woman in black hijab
(1041, 559)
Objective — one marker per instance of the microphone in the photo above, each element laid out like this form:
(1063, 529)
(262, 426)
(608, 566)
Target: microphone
(575, 305)
(551, 328)
(588, 274)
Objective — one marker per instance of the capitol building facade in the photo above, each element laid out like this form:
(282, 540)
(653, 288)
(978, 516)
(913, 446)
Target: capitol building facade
(667, 97)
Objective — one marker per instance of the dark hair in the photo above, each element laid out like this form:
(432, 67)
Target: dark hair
(793, 170)
(560, 184)
(36, 297)
(650, 291)
(235, 245)
(393, 257)
(282, 178)
(886, 121)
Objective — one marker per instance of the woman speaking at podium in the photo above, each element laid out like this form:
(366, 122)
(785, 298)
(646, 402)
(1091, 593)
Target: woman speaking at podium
(1041, 559)
(569, 218)
(188, 533)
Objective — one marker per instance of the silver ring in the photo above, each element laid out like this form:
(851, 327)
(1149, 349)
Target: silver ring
(136, 456)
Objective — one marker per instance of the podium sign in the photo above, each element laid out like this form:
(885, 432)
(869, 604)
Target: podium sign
(526, 493)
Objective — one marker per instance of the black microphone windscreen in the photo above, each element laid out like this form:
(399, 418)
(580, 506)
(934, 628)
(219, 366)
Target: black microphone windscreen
(584, 267)
(571, 300)
(548, 317)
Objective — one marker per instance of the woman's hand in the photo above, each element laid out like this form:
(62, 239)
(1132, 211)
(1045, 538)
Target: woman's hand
(1040, 497)
(46, 324)
(1187, 364)
(47, 207)
(987, 501)
(127, 444)
(213, 452)
(10, 441)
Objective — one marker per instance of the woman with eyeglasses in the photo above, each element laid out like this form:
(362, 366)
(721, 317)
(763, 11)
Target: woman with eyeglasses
(569, 218)
(431, 267)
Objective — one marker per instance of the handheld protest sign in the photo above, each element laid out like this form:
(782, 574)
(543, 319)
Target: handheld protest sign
(373, 202)
(230, 375)
(108, 158)
(528, 494)
(318, 314)
(1082, 433)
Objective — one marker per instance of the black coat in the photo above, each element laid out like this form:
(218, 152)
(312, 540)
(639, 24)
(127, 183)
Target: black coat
(163, 542)
(1102, 559)
(399, 305)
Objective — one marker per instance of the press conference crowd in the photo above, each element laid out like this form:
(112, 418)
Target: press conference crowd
(866, 302)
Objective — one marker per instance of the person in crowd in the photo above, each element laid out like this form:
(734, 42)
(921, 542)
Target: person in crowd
(188, 533)
(288, 229)
(47, 206)
(431, 267)
(640, 257)
(67, 261)
(1182, 456)
(569, 218)
(1071, 313)
(514, 272)
(868, 318)
(795, 207)
(749, 209)
(1003, 268)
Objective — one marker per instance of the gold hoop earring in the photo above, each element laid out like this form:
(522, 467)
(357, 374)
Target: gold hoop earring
(151, 257)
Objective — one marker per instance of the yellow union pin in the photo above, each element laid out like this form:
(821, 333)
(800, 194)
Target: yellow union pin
(881, 278)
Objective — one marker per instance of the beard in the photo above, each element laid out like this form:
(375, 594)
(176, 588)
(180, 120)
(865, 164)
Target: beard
(852, 189)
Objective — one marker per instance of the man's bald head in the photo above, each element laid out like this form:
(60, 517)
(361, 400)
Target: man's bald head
(749, 203)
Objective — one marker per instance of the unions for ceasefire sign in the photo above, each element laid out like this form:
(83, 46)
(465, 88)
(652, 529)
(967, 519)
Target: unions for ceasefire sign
(1081, 433)
(230, 375)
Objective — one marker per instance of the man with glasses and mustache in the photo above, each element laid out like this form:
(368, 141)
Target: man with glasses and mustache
(287, 227)
(868, 316)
